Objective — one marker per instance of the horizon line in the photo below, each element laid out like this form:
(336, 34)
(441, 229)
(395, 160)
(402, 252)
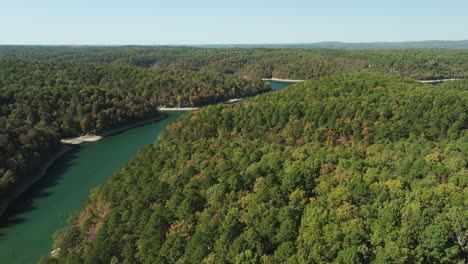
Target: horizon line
(227, 44)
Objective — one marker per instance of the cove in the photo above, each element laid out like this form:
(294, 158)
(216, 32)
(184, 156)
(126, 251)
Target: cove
(27, 227)
(278, 85)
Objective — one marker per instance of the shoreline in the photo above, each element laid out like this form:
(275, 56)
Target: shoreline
(421, 81)
(234, 100)
(282, 80)
(24, 186)
(100, 135)
(191, 108)
(64, 148)
(438, 80)
(162, 108)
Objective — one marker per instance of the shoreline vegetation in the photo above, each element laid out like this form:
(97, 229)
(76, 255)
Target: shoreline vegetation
(22, 187)
(86, 138)
(93, 138)
(65, 99)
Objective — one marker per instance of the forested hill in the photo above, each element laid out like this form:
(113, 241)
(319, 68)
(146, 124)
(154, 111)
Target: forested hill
(264, 63)
(353, 168)
(42, 102)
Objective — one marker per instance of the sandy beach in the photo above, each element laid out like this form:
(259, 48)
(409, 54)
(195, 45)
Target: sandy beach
(436, 81)
(80, 139)
(162, 108)
(93, 138)
(282, 80)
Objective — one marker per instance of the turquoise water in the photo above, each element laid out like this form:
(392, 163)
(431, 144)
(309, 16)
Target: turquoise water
(276, 86)
(26, 229)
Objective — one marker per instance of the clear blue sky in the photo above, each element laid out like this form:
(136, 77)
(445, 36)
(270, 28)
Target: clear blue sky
(234, 21)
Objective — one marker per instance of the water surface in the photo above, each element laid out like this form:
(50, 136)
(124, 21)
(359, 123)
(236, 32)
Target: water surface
(276, 85)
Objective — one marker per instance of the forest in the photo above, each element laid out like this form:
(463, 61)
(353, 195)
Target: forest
(289, 63)
(349, 168)
(42, 102)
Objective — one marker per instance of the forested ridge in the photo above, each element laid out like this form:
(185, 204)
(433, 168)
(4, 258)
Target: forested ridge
(264, 63)
(352, 168)
(430, 44)
(42, 102)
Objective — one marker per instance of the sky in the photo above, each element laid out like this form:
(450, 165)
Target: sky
(145, 22)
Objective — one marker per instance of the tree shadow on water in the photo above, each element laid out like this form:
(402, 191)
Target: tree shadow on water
(26, 202)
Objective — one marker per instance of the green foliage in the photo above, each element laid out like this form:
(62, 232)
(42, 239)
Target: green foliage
(354, 168)
(265, 62)
(48, 260)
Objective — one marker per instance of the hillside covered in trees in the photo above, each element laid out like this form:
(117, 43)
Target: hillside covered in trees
(42, 102)
(352, 168)
(264, 63)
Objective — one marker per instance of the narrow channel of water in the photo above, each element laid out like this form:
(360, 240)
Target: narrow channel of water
(277, 85)
(27, 227)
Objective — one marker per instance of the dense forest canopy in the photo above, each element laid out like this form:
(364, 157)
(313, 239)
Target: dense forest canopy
(266, 62)
(352, 168)
(42, 102)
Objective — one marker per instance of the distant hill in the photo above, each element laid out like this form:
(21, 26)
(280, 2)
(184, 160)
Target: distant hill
(283, 63)
(430, 44)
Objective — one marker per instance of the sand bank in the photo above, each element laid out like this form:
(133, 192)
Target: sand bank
(93, 138)
(281, 80)
(436, 81)
(162, 108)
(80, 139)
